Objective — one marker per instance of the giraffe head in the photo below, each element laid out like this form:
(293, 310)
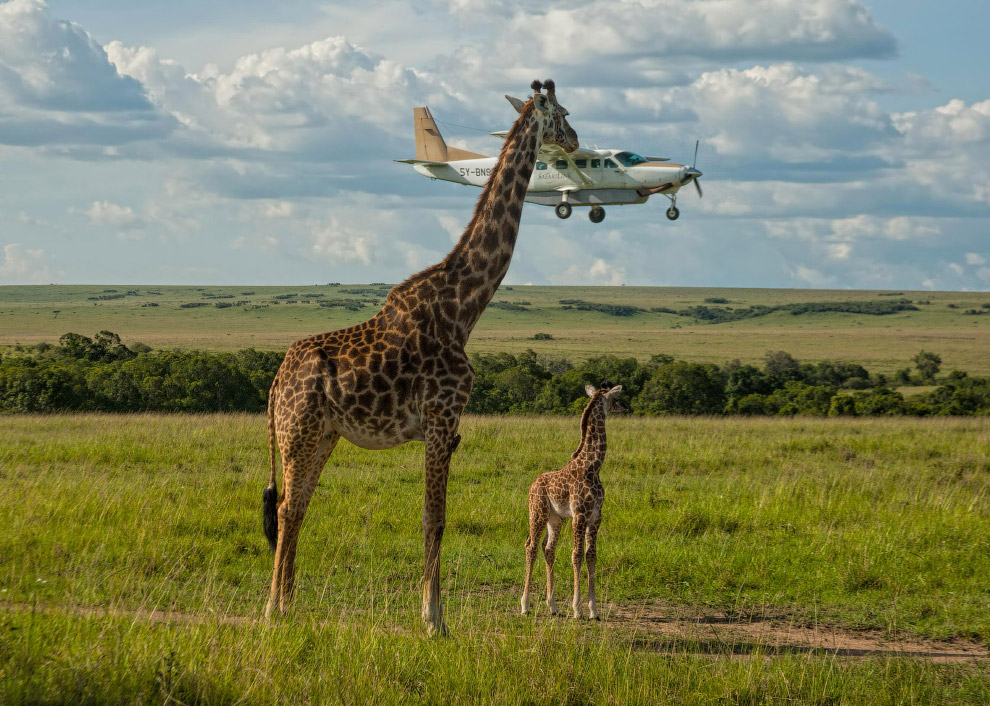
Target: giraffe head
(556, 130)
(607, 395)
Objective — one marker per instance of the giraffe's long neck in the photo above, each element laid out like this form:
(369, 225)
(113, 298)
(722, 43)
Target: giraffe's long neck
(591, 452)
(481, 257)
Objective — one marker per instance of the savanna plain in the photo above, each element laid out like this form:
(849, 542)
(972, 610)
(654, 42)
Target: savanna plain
(741, 560)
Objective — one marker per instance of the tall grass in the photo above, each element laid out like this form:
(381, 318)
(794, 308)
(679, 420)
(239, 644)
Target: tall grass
(879, 524)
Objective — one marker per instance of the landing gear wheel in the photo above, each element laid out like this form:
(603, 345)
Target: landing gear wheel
(563, 209)
(597, 214)
(673, 213)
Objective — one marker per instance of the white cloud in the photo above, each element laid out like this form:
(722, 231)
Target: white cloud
(23, 217)
(24, 266)
(327, 97)
(57, 87)
(812, 277)
(714, 29)
(973, 258)
(106, 213)
(278, 209)
(839, 251)
(600, 272)
(786, 113)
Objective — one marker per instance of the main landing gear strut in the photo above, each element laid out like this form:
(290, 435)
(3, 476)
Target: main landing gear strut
(564, 210)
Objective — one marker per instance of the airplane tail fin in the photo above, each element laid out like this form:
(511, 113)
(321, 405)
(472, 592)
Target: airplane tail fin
(430, 145)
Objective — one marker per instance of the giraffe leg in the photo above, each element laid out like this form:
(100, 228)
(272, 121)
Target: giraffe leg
(576, 555)
(440, 433)
(536, 522)
(300, 473)
(554, 523)
(591, 554)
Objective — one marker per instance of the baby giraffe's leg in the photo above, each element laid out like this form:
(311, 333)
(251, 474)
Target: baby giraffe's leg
(580, 524)
(554, 523)
(536, 522)
(591, 554)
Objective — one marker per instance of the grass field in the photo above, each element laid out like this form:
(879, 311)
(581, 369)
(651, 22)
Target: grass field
(721, 538)
(273, 317)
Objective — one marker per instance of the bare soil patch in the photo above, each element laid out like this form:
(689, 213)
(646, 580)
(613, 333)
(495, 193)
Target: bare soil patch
(654, 627)
(660, 628)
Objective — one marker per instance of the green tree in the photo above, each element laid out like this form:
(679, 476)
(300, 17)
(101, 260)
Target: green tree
(842, 406)
(683, 388)
(928, 365)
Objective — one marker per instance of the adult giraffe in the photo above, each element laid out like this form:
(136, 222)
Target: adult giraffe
(403, 375)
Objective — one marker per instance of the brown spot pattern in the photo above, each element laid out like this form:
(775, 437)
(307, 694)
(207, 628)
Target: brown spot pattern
(403, 375)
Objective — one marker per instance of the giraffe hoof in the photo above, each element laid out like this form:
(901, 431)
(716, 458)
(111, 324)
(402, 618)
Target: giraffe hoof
(437, 631)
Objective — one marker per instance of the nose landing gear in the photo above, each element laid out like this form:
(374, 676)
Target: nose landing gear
(563, 210)
(596, 214)
(672, 212)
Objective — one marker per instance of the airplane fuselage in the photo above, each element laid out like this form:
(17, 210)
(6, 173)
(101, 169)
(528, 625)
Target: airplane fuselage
(605, 180)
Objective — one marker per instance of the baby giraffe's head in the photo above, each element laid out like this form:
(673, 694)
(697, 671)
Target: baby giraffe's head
(608, 395)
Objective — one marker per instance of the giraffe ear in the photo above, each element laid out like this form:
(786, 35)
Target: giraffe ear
(614, 392)
(590, 389)
(516, 103)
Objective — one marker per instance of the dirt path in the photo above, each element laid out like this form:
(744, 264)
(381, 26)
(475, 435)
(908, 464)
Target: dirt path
(651, 627)
(658, 629)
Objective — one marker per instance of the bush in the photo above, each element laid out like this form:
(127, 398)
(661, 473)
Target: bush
(101, 373)
(683, 388)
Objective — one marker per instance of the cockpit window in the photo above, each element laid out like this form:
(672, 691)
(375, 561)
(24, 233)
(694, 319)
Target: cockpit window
(541, 165)
(630, 159)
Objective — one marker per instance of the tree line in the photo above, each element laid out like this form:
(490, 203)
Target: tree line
(103, 374)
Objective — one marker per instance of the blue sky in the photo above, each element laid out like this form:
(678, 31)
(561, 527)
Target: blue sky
(845, 143)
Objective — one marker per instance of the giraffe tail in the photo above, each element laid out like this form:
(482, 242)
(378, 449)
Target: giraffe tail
(269, 498)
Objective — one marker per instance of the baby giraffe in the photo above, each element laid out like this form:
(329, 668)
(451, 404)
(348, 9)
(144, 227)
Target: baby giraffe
(573, 491)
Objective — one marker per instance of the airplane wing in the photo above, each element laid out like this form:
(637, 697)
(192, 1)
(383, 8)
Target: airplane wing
(550, 153)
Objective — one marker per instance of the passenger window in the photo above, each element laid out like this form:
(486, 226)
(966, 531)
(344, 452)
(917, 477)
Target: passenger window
(581, 163)
(541, 165)
(609, 164)
(561, 164)
(596, 163)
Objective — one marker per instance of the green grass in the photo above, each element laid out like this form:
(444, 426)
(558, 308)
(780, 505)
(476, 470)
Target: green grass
(881, 343)
(855, 524)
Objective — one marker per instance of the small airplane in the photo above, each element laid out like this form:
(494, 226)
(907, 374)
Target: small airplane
(595, 178)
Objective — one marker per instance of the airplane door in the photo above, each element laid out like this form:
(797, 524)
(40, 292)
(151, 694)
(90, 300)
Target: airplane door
(611, 174)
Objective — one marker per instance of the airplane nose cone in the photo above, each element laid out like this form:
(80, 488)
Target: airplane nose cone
(692, 173)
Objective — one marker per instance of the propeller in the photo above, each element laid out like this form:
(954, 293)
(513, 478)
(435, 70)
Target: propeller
(695, 174)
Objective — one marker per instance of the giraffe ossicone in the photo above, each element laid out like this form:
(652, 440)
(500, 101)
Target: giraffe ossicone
(402, 375)
(574, 491)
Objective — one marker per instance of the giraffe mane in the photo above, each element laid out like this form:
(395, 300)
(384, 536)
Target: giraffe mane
(510, 138)
(584, 423)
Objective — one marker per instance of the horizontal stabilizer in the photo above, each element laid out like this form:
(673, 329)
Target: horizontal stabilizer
(425, 162)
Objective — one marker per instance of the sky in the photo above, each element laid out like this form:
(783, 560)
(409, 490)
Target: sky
(844, 143)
